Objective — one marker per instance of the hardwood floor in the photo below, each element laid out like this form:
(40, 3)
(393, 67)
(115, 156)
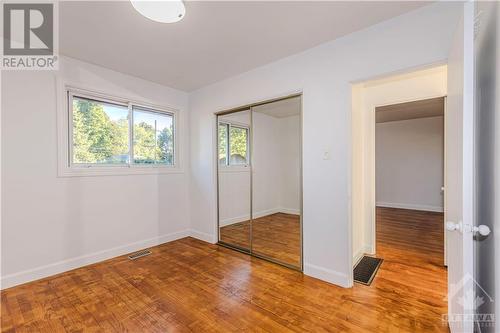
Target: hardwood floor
(404, 233)
(192, 286)
(276, 236)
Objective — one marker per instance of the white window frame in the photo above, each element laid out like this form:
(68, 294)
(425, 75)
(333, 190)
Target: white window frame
(66, 167)
(228, 146)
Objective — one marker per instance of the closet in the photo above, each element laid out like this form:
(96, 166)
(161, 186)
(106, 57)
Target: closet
(259, 180)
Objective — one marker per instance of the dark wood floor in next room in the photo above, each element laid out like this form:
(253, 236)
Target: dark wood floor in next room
(192, 286)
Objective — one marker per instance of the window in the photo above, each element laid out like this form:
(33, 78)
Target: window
(153, 137)
(105, 133)
(233, 144)
(100, 132)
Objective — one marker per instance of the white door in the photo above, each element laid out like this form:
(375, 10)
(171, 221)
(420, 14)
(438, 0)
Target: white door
(459, 175)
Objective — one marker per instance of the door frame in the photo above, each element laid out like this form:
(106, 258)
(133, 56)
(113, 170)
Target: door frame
(368, 188)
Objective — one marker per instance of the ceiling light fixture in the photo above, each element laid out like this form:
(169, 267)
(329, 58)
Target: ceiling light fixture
(164, 11)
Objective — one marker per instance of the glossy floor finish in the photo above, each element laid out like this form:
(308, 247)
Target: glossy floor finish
(191, 286)
(275, 236)
(414, 234)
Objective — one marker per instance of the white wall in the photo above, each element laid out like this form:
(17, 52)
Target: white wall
(366, 96)
(234, 182)
(51, 224)
(276, 164)
(410, 164)
(324, 74)
(266, 186)
(290, 162)
(234, 195)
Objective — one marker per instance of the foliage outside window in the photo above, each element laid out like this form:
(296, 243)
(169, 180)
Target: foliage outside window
(233, 144)
(102, 132)
(153, 137)
(223, 144)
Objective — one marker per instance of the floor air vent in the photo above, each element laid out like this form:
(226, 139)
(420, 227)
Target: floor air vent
(365, 270)
(139, 254)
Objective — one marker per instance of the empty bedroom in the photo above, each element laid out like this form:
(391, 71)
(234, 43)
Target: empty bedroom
(257, 166)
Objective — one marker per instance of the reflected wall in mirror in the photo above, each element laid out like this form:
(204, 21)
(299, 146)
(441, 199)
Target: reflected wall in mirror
(234, 196)
(276, 181)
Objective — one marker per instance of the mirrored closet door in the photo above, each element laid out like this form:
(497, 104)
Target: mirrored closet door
(276, 179)
(234, 179)
(259, 180)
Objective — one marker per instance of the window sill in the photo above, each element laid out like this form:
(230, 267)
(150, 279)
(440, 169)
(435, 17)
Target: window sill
(235, 168)
(117, 171)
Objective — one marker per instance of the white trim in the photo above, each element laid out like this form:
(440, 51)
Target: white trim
(445, 182)
(116, 171)
(203, 236)
(234, 168)
(292, 211)
(233, 220)
(357, 257)
(368, 250)
(410, 206)
(327, 275)
(237, 219)
(359, 254)
(64, 167)
(88, 259)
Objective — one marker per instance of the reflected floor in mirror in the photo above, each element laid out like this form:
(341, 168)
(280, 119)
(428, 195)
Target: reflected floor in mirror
(276, 236)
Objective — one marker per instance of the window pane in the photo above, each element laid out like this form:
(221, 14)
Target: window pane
(100, 132)
(238, 139)
(153, 137)
(222, 144)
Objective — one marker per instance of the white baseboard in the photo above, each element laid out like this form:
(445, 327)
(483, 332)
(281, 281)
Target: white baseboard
(410, 206)
(41, 272)
(292, 211)
(357, 257)
(256, 215)
(265, 212)
(369, 249)
(327, 275)
(203, 236)
(234, 220)
(359, 254)
(92, 258)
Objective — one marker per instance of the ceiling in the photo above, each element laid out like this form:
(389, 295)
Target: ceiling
(282, 108)
(433, 107)
(214, 41)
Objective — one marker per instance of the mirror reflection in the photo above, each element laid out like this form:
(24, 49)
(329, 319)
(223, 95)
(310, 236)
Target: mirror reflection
(259, 181)
(234, 179)
(276, 178)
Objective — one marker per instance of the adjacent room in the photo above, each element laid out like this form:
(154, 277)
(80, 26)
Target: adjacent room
(399, 176)
(227, 166)
(409, 180)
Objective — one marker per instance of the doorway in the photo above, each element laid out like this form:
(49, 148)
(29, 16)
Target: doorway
(409, 181)
(421, 93)
(398, 132)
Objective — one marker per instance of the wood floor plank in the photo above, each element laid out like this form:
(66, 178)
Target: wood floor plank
(275, 236)
(192, 286)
